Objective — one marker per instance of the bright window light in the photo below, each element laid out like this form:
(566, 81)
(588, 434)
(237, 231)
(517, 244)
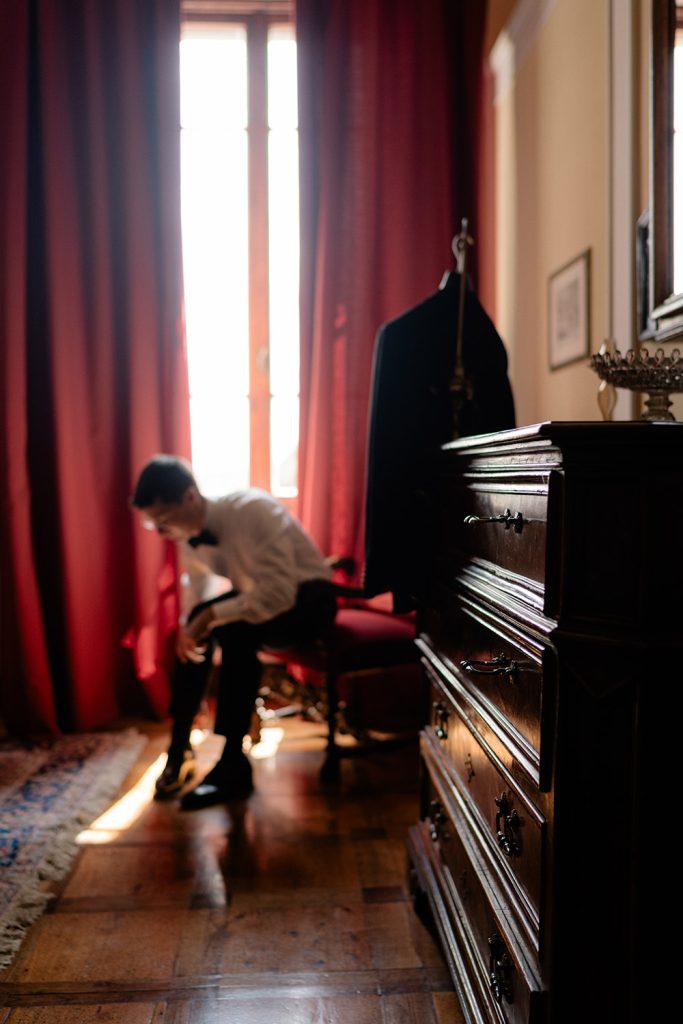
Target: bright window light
(219, 187)
(283, 239)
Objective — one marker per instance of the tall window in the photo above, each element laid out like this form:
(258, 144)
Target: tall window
(240, 221)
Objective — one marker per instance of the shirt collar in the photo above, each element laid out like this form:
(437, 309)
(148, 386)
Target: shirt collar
(212, 519)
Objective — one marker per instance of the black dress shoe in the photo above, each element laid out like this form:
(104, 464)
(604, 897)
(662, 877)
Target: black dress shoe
(225, 782)
(180, 768)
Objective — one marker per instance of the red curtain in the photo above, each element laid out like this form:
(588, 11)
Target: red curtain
(389, 94)
(92, 361)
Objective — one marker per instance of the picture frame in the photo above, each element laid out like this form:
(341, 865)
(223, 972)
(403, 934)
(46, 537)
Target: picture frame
(569, 312)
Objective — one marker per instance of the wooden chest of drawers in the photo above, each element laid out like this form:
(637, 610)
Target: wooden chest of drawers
(551, 627)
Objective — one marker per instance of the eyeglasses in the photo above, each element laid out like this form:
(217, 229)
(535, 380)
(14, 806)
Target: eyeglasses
(160, 524)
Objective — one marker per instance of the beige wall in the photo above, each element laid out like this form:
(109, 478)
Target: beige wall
(553, 197)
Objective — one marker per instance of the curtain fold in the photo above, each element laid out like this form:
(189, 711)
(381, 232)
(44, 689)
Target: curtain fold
(389, 107)
(93, 364)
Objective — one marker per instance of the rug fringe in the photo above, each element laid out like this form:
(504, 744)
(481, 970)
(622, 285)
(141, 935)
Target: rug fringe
(13, 932)
(30, 902)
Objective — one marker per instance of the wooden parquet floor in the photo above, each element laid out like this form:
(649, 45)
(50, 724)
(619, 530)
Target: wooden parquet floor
(290, 907)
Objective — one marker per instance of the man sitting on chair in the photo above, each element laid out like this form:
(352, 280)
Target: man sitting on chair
(281, 596)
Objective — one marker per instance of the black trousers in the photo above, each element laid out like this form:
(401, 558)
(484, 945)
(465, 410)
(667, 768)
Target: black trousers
(240, 670)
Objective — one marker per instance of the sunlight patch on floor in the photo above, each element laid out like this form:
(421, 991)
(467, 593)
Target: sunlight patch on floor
(128, 808)
(125, 811)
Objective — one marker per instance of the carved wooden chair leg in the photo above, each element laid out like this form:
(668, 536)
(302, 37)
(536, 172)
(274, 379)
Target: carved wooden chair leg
(330, 769)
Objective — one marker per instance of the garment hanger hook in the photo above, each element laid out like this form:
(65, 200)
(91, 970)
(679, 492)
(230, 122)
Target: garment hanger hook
(459, 246)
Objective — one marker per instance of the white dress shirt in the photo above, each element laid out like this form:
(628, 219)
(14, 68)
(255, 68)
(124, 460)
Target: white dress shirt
(262, 550)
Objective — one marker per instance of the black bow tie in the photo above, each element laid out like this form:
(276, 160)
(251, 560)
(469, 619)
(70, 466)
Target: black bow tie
(205, 537)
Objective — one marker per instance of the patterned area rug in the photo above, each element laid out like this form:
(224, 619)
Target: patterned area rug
(48, 794)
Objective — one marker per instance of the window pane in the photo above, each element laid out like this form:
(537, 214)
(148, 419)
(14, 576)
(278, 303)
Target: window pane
(215, 240)
(215, 245)
(283, 239)
(282, 101)
(283, 212)
(213, 76)
(284, 442)
(283, 243)
(220, 445)
(215, 207)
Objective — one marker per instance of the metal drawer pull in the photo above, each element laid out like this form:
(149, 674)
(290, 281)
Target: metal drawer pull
(500, 969)
(507, 518)
(440, 720)
(507, 824)
(499, 666)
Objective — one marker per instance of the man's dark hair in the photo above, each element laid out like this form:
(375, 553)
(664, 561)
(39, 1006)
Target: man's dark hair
(164, 478)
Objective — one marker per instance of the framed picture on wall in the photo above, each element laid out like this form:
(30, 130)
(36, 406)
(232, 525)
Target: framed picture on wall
(569, 312)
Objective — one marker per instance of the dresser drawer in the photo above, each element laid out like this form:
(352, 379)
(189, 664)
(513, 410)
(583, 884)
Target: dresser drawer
(499, 966)
(504, 814)
(505, 672)
(503, 523)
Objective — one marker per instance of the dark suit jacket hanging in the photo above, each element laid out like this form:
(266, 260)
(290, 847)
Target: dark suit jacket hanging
(411, 417)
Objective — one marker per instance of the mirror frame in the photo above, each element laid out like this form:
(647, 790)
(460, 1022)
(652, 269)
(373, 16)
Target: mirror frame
(666, 309)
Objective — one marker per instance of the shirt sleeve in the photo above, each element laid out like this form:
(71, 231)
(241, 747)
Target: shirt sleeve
(273, 578)
(198, 581)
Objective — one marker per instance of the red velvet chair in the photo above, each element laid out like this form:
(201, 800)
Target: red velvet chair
(365, 645)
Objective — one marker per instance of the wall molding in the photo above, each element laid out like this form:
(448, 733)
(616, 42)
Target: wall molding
(622, 213)
(514, 42)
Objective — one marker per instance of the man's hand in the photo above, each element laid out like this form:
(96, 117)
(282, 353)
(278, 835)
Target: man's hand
(187, 648)
(190, 643)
